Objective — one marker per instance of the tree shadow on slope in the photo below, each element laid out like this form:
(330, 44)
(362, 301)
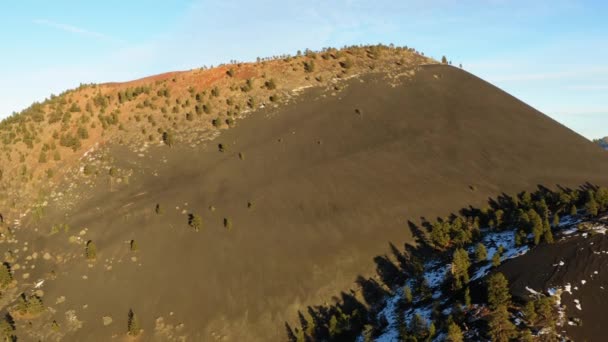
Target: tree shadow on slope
(357, 313)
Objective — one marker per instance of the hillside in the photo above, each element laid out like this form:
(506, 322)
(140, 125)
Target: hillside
(218, 203)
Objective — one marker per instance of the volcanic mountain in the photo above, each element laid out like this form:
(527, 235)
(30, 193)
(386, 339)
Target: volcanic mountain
(215, 204)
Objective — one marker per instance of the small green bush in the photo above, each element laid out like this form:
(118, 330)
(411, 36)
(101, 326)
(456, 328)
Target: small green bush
(195, 221)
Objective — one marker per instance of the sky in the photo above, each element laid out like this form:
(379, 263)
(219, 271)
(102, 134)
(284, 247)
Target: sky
(551, 54)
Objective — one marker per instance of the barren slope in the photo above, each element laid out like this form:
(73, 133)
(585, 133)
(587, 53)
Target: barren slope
(332, 180)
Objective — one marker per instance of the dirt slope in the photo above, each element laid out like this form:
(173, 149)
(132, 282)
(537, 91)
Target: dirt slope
(578, 262)
(331, 179)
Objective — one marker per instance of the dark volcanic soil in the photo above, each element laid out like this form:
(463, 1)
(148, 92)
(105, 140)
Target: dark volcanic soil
(580, 262)
(330, 187)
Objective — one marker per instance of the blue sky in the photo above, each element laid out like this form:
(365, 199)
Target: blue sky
(551, 54)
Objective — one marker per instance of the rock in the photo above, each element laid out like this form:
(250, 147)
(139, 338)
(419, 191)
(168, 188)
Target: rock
(46, 256)
(60, 300)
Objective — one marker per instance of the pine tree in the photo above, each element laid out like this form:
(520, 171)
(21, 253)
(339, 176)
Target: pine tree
(591, 207)
(6, 276)
(133, 246)
(501, 328)
(195, 221)
(454, 333)
(573, 210)
(407, 294)
(481, 253)
(419, 326)
(496, 259)
(467, 297)
(555, 220)
(7, 329)
(133, 328)
(90, 250)
(537, 225)
(498, 291)
(530, 312)
(460, 267)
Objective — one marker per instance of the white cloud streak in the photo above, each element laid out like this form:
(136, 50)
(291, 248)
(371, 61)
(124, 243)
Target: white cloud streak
(77, 30)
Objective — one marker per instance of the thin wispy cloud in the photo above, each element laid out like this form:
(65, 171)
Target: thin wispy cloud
(77, 30)
(559, 75)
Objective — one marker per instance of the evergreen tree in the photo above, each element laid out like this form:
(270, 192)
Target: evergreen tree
(555, 220)
(419, 326)
(537, 225)
(601, 197)
(481, 253)
(407, 294)
(90, 250)
(133, 246)
(440, 235)
(7, 329)
(548, 236)
(133, 328)
(168, 139)
(460, 267)
(195, 221)
(573, 210)
(6, 276)
(454, 333)
(530, 312)
(498, 291)
(467, 297)
(496, 259)
(591, 207)
(500, 327)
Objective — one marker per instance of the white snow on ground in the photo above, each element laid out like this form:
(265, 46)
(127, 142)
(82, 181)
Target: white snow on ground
(532, 291)
(578, 304)
(492, 241)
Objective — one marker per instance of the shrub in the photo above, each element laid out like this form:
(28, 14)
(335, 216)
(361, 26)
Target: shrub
(133, 246)
(230, 72)
(83, 133)
(158, 210)
(195, 221)
(309, 66)
(227, 223)
(215, 92)
(168, 138)
(88, 170)
(270, 84)
(347, 63)
(90, 250)
(42, 158)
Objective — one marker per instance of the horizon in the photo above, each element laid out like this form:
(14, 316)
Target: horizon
(548, 54)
